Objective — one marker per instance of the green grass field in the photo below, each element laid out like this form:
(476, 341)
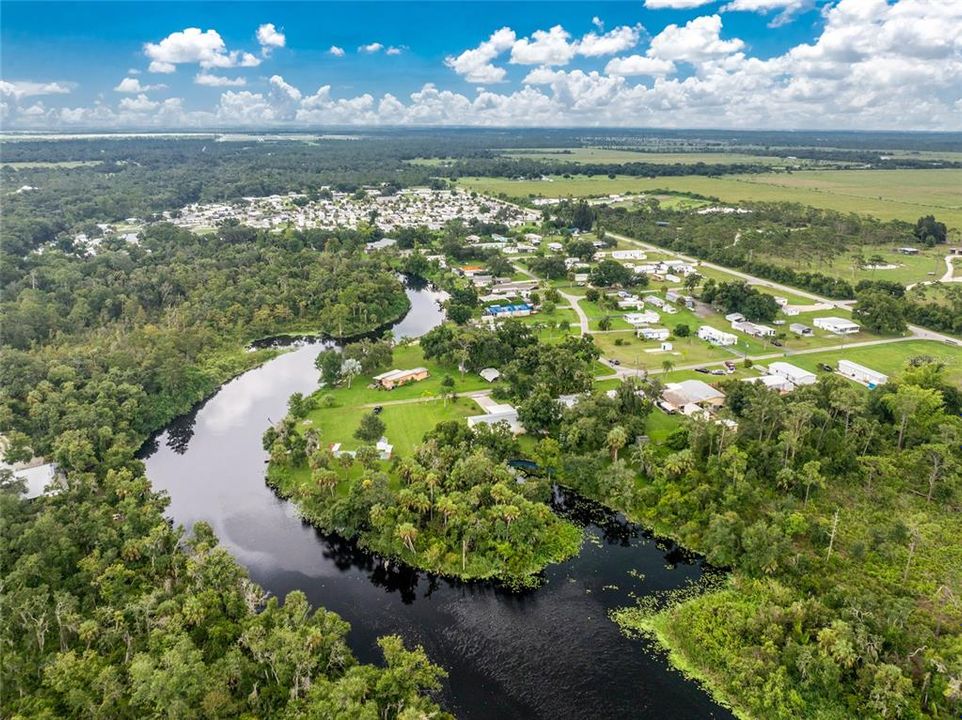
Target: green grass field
(586, 155)
(890, 358)
(885, 194)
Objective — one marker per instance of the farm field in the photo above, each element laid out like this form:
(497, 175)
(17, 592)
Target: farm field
(609, 155)
(886, 194)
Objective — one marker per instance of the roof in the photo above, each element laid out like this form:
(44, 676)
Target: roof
(397, 374)
(689, 392)
(784, 368)
(490, 374)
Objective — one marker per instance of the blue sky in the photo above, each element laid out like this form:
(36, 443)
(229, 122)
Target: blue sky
(748, 63)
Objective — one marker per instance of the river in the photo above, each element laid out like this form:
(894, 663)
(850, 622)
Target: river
(547, 653)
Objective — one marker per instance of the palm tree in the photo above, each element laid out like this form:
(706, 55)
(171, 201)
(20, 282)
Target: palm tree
(667, 366)
(617, 438)
(408, 533)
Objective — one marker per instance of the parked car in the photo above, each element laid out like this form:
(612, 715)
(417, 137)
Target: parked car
(777, 343)
(616, 362)
(702, 370)
(718, 372)
(730, 366)
(377, 409)
(826, 368)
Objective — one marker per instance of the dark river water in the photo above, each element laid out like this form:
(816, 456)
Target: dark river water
(547, 653)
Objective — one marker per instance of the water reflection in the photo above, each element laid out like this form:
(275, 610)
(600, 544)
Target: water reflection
(548, 653)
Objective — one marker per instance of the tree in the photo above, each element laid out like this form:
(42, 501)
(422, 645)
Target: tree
(408, 533)
(350, 369)
(583, 217)
(326, 480)
(929, 231)
(547, 453)
(371, 428)
(681, 330)
(329, 363)
(667, 366)
(447, 388)
(880, 312)
(539, 413)
(617, 438)
(604, 323)
(911, 405)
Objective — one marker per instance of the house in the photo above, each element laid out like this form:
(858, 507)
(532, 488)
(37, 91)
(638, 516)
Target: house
(384, 449)
(715, 336)
(669, 277)
(482, 280)
(780, 301)
(689, 302)
(793, 373)
(555, 247)
(908, 250)
(498, 414)
(395, 378)
(581, 278)
(631, 302)
(628, 255)
(569, 401)
(772, 382)
(514, 287)
(498, 238)
(669, 309)
(642, 318)
(473, 238)
(470, 270)
(734, 317)
(650, 333)
(800, 329)
(861, 374)
(790, 310)
(655, 300)
(753, 329)
(836, 325)
(691, 396)
(490, 374)
(533, 238)
(509, 311)
(674, 296)
(382, 244)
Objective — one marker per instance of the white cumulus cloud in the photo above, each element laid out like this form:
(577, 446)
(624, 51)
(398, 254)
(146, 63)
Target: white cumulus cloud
(475, 65)
(615, 41)
(26, 88)
(212, 80)
(697, 40)
(544, 47)
(270, 38)
(371, 48)
(133, 85)
(639, 65)
(675, 4)
(205, 48)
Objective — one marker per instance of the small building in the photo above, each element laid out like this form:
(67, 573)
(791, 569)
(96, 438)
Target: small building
(837, 325)
(780, 301)
(533, 238)
(797, 375)
(790, 310)
(674, 296)
(653, 333)
(655, 300)
(498, 238)
(395, 378)
(666, 346)
(509, 311)
(717, 337)
(800, 329)
(470, 270)
(581, 278)
(861, 374)
(753, 329)
(498, 414)
(628, 255)
(669, 309)
(908, 250)
(642, 318)
(735, 317)
(384, 449)
(631, 302)
(772, 382)
(555, 247)
(382, 244)
(690, 396)
(490, 374)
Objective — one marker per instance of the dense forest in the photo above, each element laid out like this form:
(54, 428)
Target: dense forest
(839, 512)
(108, 611)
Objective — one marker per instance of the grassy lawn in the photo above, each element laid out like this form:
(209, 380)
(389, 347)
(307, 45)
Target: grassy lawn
(886, 194)
(890, 358)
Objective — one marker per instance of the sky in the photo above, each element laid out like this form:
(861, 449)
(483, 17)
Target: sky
(740, 64)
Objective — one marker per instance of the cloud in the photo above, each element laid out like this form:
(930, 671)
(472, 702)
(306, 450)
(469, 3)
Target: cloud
(475, 65)
(26, 88)
(789, 8)
(212, 80)
(205, 48)
(394, 50)
(270, 38)
(370, 48)
(872, 64)
(138, 104)
(544, 47)
(639, 65)
(615, 41)
(598, 23)
(133, 85)
(675, 4)
(697, 40)
(336, 51)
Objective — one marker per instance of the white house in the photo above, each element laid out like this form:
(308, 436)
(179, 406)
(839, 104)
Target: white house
(642, 318)
(628, 255)
(861, 374)
(555, 247)
(753, 329)
(715, 336)
(653, 333)
(734, 317)
(797, 375)
(691, 396)
(533, 238)
(498, 414)
(631, 302)
(655, 300)
(836, 325)
(800, 329)
(669, 308)
(773, 382)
